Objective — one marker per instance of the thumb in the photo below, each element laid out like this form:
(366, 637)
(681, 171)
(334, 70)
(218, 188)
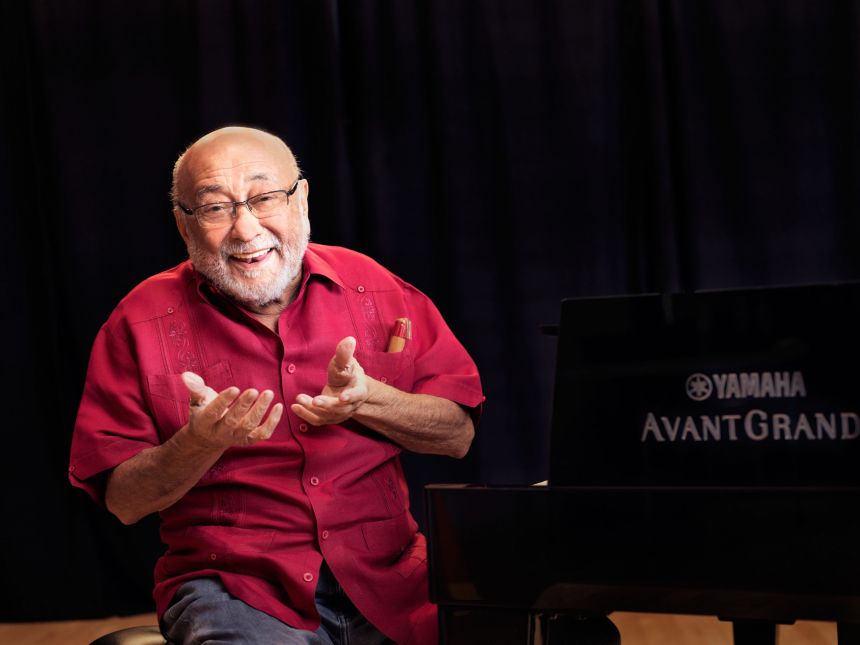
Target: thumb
(201, 394)
(343, 353)
(340, 371)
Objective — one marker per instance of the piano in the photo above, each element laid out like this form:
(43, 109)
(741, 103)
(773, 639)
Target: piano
(705, 459)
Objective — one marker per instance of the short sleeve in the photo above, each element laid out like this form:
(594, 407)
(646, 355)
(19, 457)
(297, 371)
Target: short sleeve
(112, 424)
(443, 367)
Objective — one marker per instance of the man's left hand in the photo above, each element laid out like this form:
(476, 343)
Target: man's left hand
(343, 394)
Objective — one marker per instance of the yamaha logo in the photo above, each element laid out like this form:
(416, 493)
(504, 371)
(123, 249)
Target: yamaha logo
(746, 385)
(699, 387)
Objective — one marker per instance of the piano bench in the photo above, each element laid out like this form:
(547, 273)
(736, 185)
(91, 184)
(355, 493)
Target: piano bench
(148, 635)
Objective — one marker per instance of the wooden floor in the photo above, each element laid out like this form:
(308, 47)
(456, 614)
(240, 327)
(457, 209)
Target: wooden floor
(636, 629)
(67, 632)
(661, 629)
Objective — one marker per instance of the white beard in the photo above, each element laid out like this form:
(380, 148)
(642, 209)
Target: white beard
(262, 291)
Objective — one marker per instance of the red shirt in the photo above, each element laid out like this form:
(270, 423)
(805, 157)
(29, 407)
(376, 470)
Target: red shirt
(264, 516)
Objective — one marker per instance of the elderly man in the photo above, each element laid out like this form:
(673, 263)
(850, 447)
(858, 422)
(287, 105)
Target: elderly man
(251, 397)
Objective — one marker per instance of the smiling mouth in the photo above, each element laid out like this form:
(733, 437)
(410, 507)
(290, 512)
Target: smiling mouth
(252, 258)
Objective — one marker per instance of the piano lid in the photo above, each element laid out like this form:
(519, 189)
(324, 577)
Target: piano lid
(741, 387)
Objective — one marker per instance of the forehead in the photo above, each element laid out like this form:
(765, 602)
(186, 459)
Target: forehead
(236, 159)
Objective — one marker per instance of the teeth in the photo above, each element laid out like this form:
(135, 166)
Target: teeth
(250, 256)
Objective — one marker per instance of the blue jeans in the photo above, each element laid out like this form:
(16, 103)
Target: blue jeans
(203, 612)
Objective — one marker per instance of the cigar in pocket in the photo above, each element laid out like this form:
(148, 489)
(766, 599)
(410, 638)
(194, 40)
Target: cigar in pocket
(401, 332)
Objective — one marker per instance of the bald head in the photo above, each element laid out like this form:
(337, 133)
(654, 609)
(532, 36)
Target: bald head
(233, 145)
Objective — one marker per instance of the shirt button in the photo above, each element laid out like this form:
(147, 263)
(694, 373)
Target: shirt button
(308, 576)
(291, 368)
(303, 427)
(382, 379)
(325, 535)
(72, 468)
(315, 481)
(360, 288)
(212, 556)
(170, 310)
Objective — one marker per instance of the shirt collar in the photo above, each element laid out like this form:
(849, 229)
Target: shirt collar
(314, 264)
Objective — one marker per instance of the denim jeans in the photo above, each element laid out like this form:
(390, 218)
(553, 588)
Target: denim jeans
(203, 612)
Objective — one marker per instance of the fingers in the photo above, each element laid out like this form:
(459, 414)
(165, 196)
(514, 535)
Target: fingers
(234, 418)
(217, 407)
(323, 409)
(265, 431)
(306, 415)
(200, 393)
(244, 414)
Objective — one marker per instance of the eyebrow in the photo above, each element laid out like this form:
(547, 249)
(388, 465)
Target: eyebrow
(211, 188)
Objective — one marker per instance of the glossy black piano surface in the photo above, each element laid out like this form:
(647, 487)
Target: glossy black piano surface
(704, 459)
(780, 555)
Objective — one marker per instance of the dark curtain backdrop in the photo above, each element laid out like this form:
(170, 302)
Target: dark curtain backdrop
(498, 154)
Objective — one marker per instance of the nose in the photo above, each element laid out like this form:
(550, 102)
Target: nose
(245, 227)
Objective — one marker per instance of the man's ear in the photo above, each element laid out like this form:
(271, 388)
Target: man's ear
(304, 190)
(181, 223)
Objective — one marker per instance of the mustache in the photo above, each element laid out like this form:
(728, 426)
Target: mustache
(232, 247)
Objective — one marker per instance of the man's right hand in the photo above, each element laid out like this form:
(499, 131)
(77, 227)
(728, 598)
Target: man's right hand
(220, 420)
(159, 476)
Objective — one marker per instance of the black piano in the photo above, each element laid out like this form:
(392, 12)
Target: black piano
(705, 459)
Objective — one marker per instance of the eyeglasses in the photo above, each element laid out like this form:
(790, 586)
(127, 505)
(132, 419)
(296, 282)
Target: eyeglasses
(219, 214)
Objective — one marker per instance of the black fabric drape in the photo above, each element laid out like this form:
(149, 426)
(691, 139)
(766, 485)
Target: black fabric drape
(499, 155)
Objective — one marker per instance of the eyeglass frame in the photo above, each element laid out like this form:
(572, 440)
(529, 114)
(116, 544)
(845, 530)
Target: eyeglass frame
(235, 205)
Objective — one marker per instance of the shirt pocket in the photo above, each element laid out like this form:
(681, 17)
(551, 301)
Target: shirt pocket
(394, 368)
(394, 544)
(238, 549)
(169, 400)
